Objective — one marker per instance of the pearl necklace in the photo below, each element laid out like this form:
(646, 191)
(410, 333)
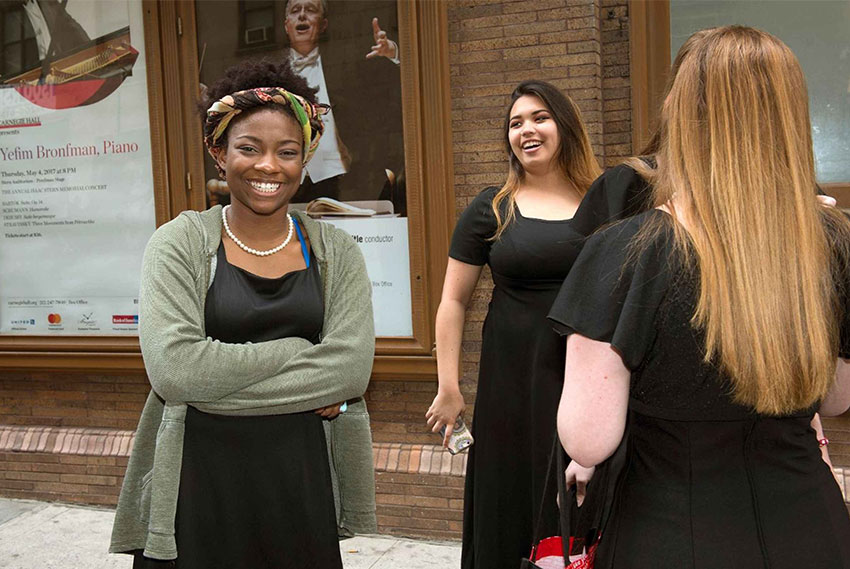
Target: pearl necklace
(249, 249)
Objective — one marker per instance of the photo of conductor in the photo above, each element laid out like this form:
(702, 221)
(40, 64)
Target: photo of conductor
(361, 156)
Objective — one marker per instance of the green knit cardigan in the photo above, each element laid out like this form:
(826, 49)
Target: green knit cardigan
(288, 375)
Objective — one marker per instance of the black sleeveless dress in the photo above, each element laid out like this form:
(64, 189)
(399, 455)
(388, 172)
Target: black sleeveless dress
(519, 384)
(708, 483)
(255, 492)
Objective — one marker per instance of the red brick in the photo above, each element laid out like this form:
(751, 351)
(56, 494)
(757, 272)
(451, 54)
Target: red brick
(17, 485)
(437, 513)
(61, 488)
(412, 523)
(542, 6)
(59, 468)
(88, 479)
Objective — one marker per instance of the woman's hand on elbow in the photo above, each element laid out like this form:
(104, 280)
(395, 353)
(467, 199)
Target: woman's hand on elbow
(329, 412)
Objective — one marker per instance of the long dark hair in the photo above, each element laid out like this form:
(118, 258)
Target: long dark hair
(575, 155)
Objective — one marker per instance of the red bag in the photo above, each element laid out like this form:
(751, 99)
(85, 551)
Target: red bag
(580, 528)
(549, 554)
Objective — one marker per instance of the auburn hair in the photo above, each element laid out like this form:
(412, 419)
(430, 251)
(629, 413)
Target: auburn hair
(654, 143)
(575, 155)
(736, 152)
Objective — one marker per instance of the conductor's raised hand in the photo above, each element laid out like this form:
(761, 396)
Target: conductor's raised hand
(384, 47)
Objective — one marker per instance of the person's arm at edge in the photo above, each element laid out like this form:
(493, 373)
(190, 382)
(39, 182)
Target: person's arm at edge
(594, 401)
(824, 450)
(837, 401)
(458, 287)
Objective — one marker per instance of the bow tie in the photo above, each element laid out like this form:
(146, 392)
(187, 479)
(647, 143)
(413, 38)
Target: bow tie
(299, 62)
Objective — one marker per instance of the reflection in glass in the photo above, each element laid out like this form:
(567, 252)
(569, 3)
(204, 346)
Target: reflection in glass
(360, 161)
(816, 31)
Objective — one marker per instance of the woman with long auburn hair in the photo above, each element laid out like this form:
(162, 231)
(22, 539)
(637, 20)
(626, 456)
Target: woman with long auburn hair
(524, 232)
(625, 190)
(712, 324)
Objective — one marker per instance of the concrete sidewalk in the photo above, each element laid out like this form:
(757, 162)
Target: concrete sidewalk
(39, 535)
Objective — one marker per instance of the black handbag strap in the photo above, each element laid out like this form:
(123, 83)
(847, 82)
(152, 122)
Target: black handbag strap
(567, 500)
(592, 518)
(586, 522)
(551, 470)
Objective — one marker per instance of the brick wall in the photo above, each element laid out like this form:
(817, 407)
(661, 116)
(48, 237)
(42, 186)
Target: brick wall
(397, 410)
(72, 400)
(837, 430)
(63, 464)
(616, 88)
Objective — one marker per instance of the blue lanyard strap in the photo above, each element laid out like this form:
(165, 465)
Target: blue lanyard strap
(304, 250)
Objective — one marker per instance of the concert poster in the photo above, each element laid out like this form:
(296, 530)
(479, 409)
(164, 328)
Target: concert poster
(76, 185)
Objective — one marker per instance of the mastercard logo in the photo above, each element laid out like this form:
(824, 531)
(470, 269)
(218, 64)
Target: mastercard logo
(54, 319)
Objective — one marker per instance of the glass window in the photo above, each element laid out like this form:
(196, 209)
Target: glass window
(356, 179)
(11, 27)
(817, 33)
(258, 23)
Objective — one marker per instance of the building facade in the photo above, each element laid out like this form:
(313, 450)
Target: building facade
(69, 403)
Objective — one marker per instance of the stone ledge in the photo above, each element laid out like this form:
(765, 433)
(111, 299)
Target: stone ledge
(63, 440)
(417, 459)
(388, 457)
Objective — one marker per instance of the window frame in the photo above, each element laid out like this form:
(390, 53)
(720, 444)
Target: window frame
(177, 156)
(25, 42)
(243, 17)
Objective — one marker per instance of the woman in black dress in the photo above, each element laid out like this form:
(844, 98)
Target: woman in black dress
(523, 231)
(256, 331)
(711, 326)
(622, 192)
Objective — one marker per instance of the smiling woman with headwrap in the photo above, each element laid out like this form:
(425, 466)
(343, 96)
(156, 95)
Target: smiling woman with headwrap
(257, 333)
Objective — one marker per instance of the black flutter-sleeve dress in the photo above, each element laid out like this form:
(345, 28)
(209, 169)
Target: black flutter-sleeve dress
(520, 380)
(708, 483)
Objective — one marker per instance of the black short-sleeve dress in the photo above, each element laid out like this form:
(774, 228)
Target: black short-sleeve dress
(618, 193)
(520, 380)
(708, 483)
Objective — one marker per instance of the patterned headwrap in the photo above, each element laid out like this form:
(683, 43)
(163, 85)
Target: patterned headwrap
(225, 109)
